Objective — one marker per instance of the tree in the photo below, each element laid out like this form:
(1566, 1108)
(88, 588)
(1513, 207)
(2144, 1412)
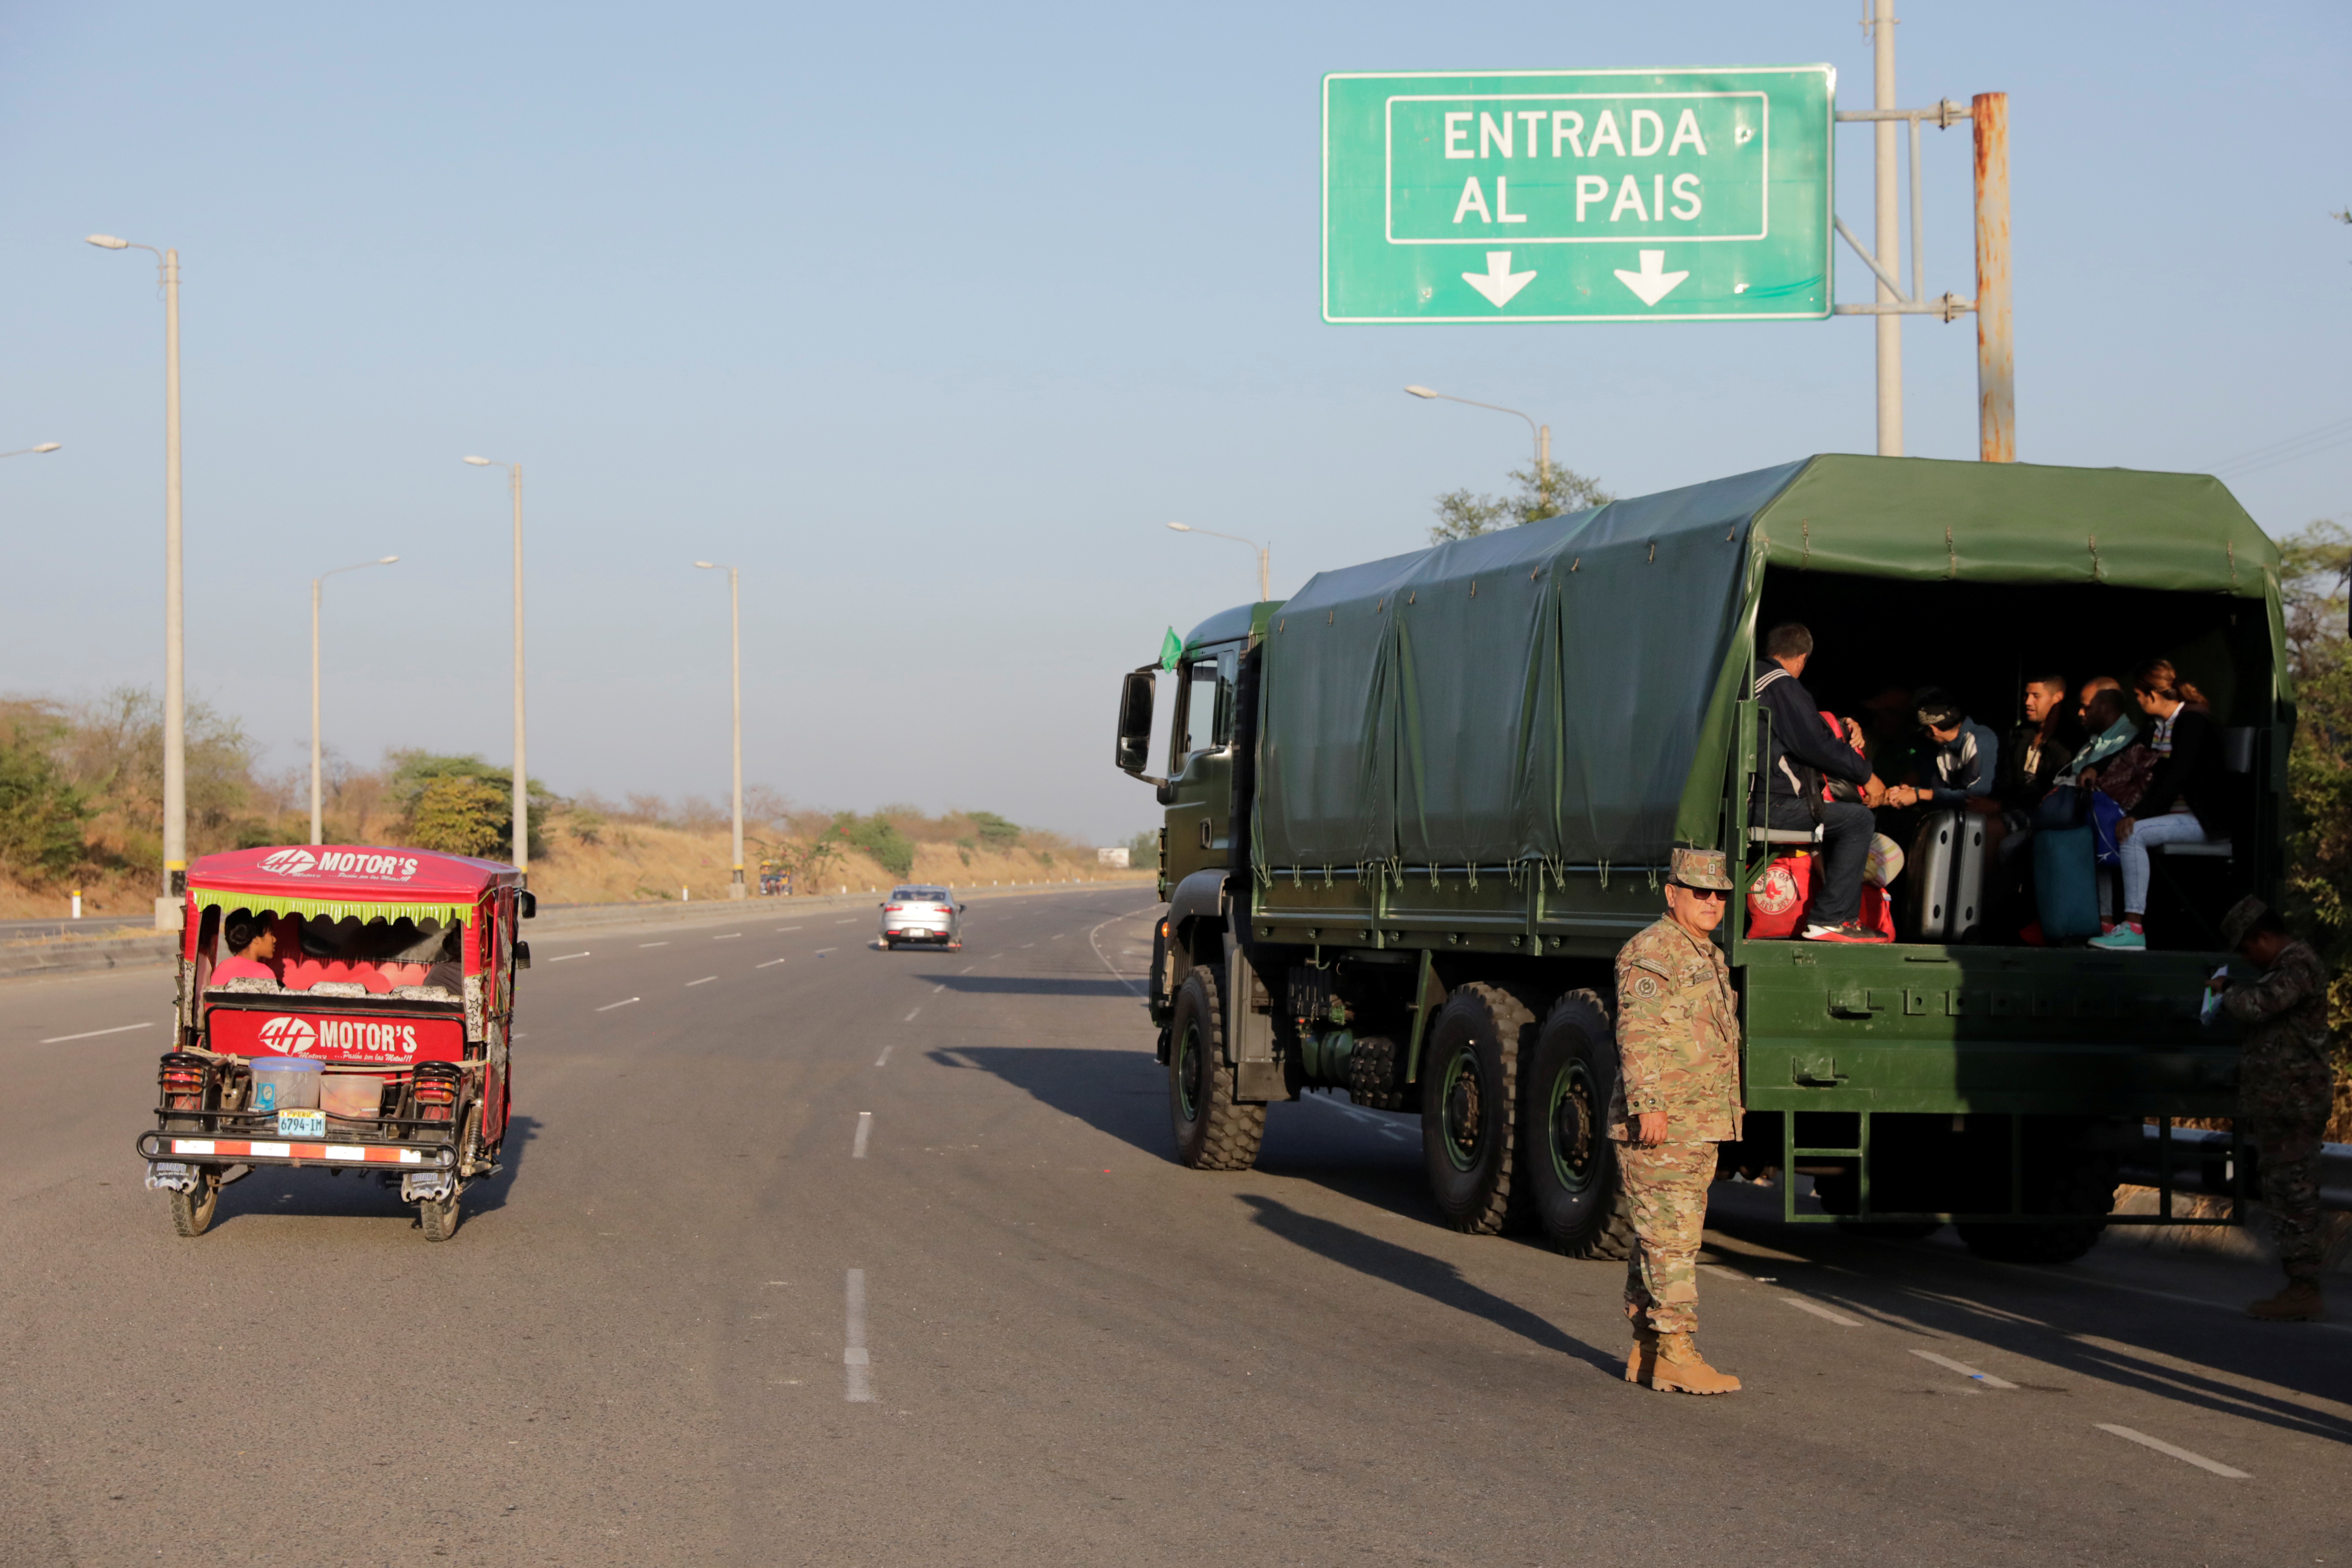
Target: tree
(41, 813)
(461, 815)
(410, 773)
(891, 850)
(1461, 514)
(2316, 574)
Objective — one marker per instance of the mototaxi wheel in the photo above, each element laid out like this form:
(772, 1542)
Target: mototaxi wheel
(191, 1212)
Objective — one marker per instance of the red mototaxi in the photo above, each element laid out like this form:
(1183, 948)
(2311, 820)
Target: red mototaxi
(416, 1079)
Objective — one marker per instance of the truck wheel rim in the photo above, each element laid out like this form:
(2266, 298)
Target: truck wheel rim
(1571, 1120)
(1188, 1073)
(1463, 1112)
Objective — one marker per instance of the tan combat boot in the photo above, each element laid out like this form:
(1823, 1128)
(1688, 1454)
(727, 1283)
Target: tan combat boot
(1681, 1369)
(1642, 1359)
(2298, 1303)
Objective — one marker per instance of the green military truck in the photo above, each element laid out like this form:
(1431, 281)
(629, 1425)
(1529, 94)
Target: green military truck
(1413, 811)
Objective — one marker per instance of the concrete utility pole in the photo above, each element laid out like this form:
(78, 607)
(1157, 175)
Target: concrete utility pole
(176, 726)
(318, 810)
(521, 784)
(735, 623)
(1995, 364)
(1887, 236)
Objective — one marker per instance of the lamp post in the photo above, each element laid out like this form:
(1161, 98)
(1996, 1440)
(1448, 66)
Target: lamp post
(1542, 432)
(735, 623)
(1265, 556)
(521, 786)
(318, 820)
(29, 451)
(175, 716)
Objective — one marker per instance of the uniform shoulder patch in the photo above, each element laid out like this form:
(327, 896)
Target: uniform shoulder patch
(1642, 984)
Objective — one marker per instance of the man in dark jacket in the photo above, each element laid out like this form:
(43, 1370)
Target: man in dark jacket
(1805, 749)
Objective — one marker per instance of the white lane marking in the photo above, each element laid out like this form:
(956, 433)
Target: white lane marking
(782, 929)
(94, 1033)
(1026, 946)
(1359, 1114)
(852, 921)
(664, 943)
(769, 965)
(729, 938)
(704, 981)
(1964, 1369)
(1106, 964)
(567, 957)
(853, 1355)
(621, 1003)
(958, 1058)
(910, 1016)
(2094, 1282)
(884, 1057)
(865, 1131)
(2183, 1454)
(1840, 1319)
(937, 989)
(967, 969)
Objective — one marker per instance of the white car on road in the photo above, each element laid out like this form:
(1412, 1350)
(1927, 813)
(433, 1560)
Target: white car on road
(915, 914)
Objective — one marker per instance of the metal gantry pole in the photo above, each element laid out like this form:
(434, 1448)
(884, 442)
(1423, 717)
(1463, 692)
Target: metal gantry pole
(175, 718)
(1888, 237)
(735, 623)
(521, 777)
(1995, 365)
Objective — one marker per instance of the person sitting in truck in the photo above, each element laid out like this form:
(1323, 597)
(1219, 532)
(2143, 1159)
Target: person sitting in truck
(2039, 750)
(2112, 728)
(1805, 750)
(1965, 753)
(2183, 801)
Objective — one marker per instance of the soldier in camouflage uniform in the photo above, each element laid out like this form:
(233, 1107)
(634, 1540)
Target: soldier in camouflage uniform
(2286, 1086)
(1676, 1097)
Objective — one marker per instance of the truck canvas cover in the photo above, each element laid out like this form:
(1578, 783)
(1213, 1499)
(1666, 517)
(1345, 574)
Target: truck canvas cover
(1563, 693)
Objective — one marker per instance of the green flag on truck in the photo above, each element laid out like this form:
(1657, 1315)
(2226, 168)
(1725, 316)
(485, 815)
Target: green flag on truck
(1172, 649)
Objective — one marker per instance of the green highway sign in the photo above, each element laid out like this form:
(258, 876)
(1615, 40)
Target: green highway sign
(1685, 195)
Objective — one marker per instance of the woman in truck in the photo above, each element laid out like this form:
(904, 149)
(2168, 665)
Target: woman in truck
(2183, 800)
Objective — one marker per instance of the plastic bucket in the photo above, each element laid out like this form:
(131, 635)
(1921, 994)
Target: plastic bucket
(286, 1083)
(354, 1094)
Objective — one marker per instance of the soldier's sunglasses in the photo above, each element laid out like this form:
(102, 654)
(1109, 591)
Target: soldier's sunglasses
(1702, 892)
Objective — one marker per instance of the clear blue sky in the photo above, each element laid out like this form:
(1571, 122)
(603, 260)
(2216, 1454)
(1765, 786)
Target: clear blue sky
(930, 318)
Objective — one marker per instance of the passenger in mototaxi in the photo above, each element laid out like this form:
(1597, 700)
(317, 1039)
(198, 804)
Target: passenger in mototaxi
(1805, 750)
(253, 948)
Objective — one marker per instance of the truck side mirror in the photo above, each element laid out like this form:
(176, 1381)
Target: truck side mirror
(1134, 720)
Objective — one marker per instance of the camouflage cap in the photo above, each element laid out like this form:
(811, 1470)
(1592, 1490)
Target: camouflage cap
(2244, 915)
(1700, 868)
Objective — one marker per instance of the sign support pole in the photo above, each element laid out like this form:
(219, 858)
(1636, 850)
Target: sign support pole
(1887, 240)
(1996, 368)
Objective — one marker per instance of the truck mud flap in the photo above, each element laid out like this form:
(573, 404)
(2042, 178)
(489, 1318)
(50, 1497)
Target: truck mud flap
(1249, 1031)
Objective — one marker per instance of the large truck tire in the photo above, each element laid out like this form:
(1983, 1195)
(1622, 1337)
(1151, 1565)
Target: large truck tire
(1213, 1133)
(2084, 1184)
(1570, 1164)
(1469, 1104)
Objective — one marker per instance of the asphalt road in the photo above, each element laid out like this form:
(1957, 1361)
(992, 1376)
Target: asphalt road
(810, 1253)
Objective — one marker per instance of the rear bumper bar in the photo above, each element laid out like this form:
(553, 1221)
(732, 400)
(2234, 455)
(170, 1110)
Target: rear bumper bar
(185, 1148)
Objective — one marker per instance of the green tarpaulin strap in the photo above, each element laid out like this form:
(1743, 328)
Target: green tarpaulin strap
(1172, 649)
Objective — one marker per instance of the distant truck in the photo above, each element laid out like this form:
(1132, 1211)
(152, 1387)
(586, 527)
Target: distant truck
(1412, 813)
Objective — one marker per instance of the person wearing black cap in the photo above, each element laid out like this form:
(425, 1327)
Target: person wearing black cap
(1967, 755)
(1805, 751)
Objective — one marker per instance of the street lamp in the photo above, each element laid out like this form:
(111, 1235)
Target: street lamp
(318, 827)
(175, 727)
(1265, 556)
(735, 619)
(521, 789)
(29, 451)
(1542, 432)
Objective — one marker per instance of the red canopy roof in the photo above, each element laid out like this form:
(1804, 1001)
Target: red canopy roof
(361, 873)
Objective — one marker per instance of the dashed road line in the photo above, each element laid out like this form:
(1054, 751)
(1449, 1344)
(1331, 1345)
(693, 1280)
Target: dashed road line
(2183, 1454)
(910, 1016)
(967, 969)
(852, 921)
(704, 981)
(1964, 1369)
(624, 1001)
(853, 1359)
(865, 1131)
(567, 957)
(664, 943)
(937, 989)
(782, 929)
(729, 938)
(1818, 1311)
(884, 1057)
(94, 1033)
(769, 965)
(957, 1059)
(823, 951)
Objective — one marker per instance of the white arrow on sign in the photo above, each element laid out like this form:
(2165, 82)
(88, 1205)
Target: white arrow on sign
(1498, 282)
(1652, 283)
